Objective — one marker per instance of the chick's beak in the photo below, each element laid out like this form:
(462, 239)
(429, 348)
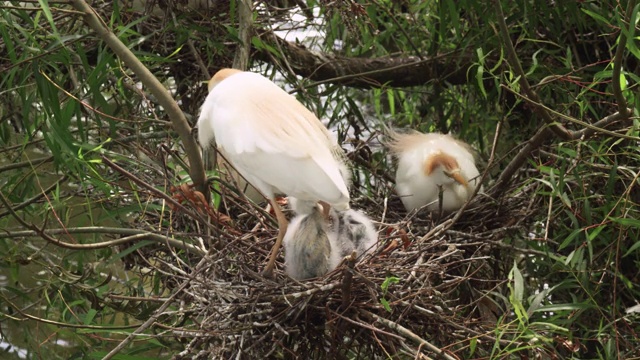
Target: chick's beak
(455, 175)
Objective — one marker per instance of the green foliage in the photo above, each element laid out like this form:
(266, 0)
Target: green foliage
(69, 109)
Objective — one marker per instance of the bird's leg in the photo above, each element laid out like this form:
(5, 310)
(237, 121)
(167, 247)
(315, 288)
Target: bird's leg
(282, 229)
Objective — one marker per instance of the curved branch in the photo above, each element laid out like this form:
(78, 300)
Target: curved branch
(133, 235)
(180, 123)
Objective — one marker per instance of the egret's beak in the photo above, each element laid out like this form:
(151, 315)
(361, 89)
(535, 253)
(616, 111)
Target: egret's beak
(455, 175)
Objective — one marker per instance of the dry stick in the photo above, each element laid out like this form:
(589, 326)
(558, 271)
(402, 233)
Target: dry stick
(408, 333)
(155, 316)
(593, 127)
(178, 120)
(557, 128)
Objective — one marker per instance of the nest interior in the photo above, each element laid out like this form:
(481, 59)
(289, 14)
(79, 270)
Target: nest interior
(425, 290)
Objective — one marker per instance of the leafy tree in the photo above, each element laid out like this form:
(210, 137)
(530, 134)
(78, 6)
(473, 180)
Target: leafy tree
(97, 107)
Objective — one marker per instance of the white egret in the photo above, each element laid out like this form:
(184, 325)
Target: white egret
(276, 143)
(430, 162)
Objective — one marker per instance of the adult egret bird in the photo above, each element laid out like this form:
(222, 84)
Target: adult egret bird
(276, 143)
(313, 247)
(428, 162)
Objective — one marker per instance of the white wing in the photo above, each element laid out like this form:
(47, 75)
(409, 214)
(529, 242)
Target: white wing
(272, 139)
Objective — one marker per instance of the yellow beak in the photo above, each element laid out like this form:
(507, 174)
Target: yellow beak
(455, 175)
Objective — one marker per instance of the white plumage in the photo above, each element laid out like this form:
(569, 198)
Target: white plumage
(427, 161)
(276, 143)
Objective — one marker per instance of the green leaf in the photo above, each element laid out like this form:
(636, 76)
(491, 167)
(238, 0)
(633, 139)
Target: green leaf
(596, 16)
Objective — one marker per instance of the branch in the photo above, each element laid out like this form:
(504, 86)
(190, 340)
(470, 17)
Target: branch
(245, 29)
(180, 123)
(395, 71)
(411, 335)
(557, 128)
(617, 64)
(132, 235)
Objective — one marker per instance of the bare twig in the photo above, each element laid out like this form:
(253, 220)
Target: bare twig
(411, 335)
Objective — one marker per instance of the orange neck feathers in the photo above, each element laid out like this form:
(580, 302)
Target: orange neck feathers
(221, 75)
(448, 163)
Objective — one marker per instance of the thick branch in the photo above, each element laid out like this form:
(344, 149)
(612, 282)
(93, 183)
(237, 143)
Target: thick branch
(396, 71)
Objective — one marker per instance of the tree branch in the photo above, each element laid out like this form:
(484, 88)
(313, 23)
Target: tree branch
(178, 120)
(395, 71)
(557, 128)
(617, 64)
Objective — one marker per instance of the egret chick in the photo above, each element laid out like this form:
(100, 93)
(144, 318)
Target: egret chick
(351, 231)
(307, 246)
(428, 162)
(276, 143)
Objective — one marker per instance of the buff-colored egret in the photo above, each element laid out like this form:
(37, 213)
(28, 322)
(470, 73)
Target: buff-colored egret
(275, 142)
(430, 163)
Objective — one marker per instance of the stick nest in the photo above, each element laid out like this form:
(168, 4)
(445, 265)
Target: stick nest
(421, 292)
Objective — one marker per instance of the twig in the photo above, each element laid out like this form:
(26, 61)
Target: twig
(408, 333)
(132, 235)
(58, 323)
(593, 127)
(155, 316)
(43, 193)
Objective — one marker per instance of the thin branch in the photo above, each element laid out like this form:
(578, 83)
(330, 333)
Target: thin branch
(593, 127)
(617, 64)
(155, 316)
(180, 123)
(516, 163)
(557, 128)
(408, 333)
(58, 323)
(32, 200)
(132, 235)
